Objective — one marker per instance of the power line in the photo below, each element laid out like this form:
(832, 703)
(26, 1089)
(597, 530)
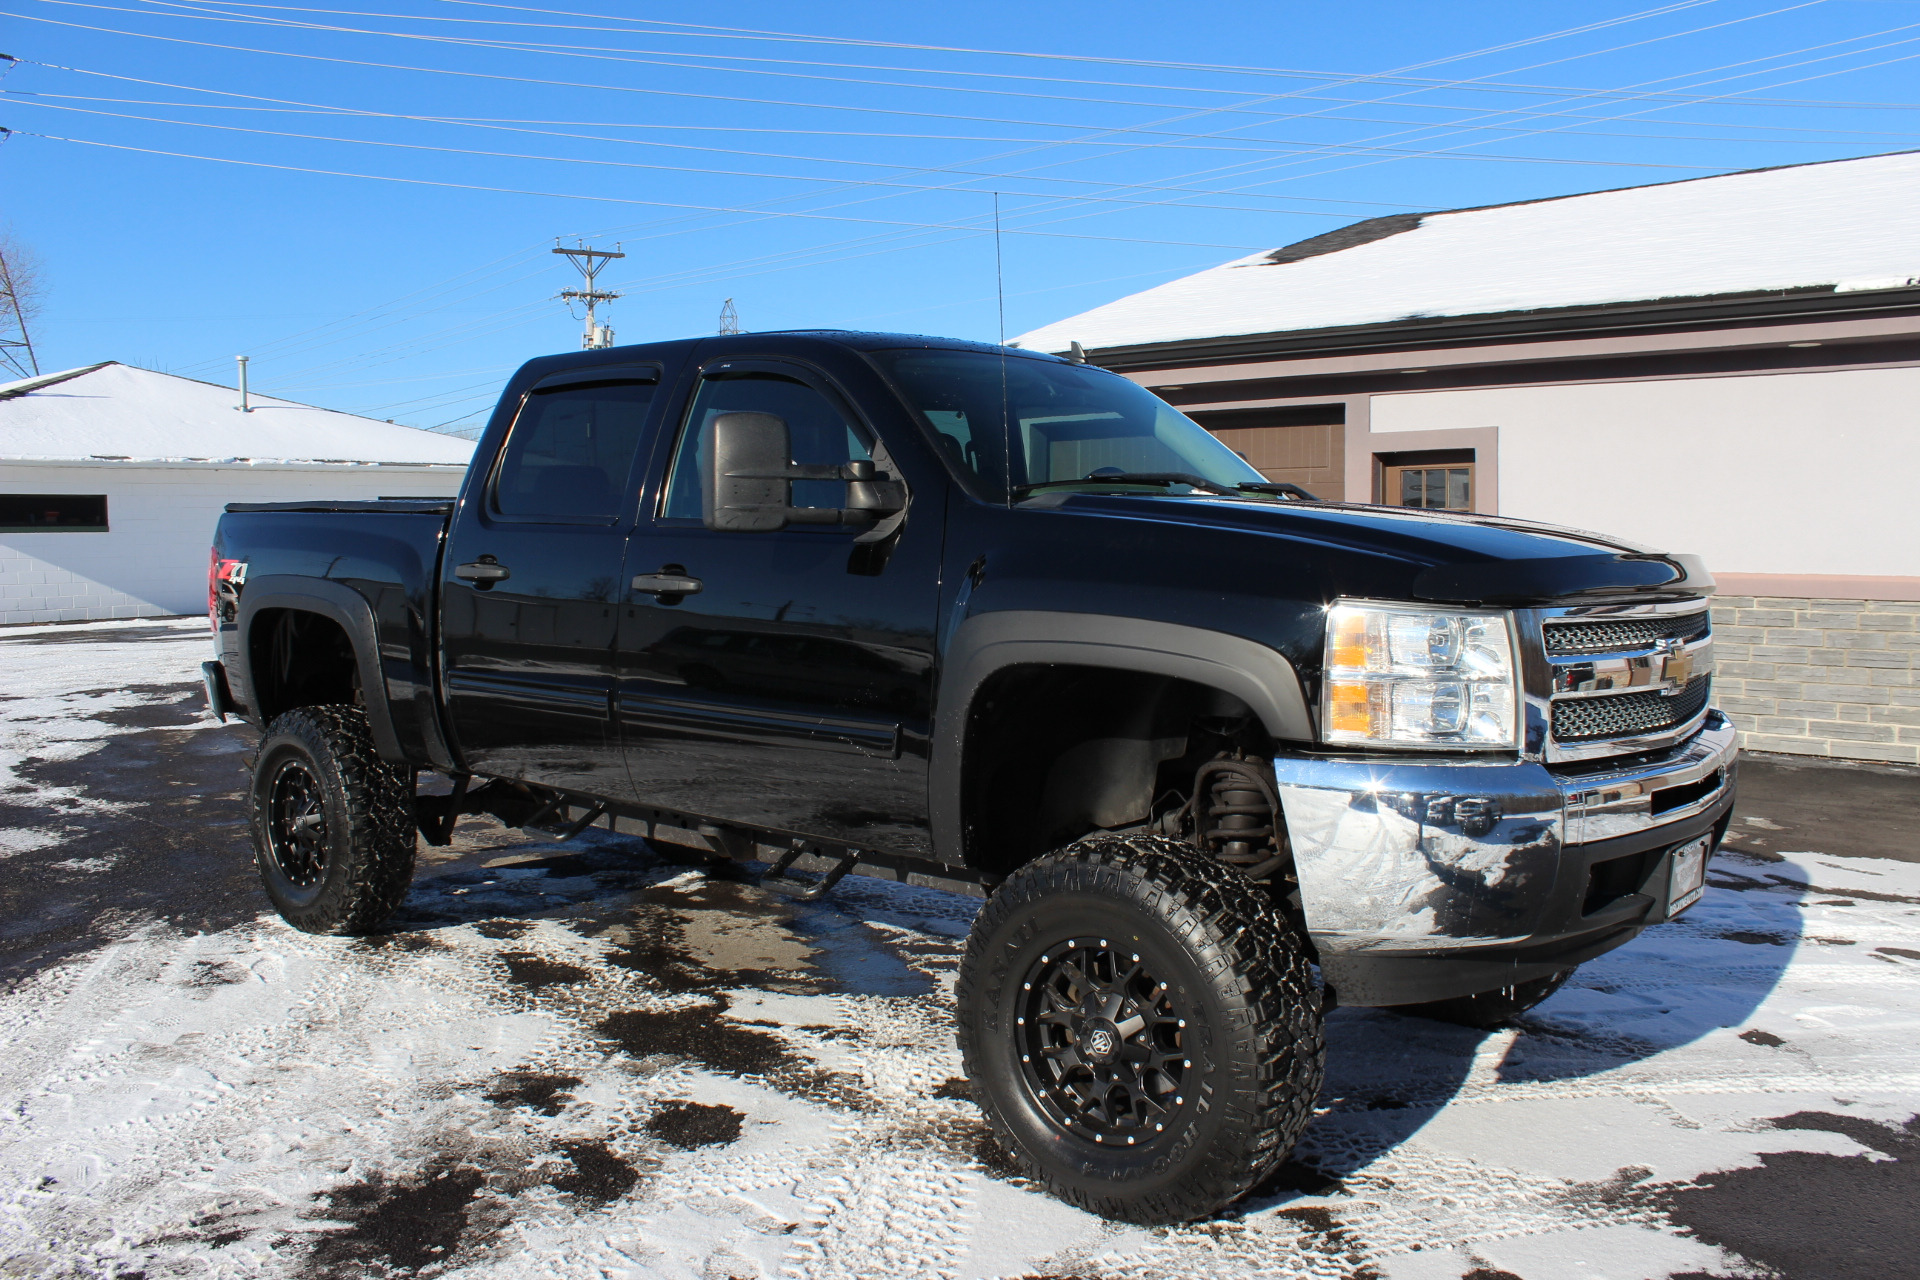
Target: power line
(212, 13)
(1648, 109)
(1332, 148)
(632, 89)
(902, 229)
(569, 195)
(357, 113)
(1202, 114)
(1478, 85)
(602, 53)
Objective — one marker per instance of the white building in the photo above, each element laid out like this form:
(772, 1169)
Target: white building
(1727, 366)
(111, 480)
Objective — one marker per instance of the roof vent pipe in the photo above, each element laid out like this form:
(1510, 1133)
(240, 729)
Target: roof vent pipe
(243, 406)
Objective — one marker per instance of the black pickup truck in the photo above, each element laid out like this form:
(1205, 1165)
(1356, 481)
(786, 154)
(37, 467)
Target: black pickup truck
(1218, 755)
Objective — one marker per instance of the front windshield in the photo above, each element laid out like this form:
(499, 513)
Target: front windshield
(1013, 422)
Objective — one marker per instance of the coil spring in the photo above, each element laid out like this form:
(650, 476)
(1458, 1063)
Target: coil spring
(1236, 819)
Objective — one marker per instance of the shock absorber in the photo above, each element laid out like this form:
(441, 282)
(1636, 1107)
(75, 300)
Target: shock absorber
(1236, 812)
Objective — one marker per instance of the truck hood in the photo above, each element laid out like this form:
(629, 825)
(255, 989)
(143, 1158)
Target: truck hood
(1443, 556)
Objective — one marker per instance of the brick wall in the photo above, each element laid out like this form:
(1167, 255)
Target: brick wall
(1820, 677)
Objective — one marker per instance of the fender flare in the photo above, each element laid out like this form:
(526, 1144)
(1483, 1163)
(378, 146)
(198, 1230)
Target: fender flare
(344, 606)
(991, 642)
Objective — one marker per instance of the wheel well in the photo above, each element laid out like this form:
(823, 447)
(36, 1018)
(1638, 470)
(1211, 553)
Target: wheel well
(1055, 752)
(300, 659)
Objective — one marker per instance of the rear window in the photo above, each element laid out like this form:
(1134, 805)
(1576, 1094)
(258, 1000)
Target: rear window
(570, 452)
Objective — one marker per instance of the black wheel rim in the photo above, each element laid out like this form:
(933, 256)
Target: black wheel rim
(1101, 1043)
(297, 826)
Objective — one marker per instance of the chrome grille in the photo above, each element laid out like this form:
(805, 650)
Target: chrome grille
(1621, 635)
(1585, 719)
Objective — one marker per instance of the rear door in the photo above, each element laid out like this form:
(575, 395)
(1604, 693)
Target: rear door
(531, 590)
(793, 690)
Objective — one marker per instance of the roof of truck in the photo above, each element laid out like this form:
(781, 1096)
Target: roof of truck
(112, 412)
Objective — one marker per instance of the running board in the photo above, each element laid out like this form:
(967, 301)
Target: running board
(779, 880)
(783, 851)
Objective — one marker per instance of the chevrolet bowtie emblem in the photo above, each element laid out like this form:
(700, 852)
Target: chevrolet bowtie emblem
(1676, 665)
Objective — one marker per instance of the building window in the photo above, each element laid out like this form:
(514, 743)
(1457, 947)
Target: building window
(1433, 480)
(53, 513)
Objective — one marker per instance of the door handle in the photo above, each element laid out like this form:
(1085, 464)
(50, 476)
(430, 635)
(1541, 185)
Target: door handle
(482, 571)
(667, 584)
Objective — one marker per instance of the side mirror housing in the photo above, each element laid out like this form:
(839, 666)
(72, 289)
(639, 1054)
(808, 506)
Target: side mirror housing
(744, 483)
(747, 480)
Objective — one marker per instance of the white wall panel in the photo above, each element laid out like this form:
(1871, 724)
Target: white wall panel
(153, 561)
(1801, 473)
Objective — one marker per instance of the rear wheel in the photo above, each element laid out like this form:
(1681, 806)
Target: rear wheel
(1140, 1026)
(1488, 1009)
(333, 832)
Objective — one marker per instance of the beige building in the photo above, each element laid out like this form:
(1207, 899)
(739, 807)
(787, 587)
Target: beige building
(1728, 366)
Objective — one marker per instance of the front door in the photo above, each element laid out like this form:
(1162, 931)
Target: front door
(531, 588)
(793, 690)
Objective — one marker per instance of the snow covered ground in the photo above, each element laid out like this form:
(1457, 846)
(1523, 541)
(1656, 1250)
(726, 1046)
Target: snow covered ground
(590, 1061)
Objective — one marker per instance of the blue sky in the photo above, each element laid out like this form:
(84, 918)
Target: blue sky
(363, 195)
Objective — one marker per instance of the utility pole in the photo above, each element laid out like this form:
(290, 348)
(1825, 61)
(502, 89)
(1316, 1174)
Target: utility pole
(16, 344)
(729, 318)
(590, 262)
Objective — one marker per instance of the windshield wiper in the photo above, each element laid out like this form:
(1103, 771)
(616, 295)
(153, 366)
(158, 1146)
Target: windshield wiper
(1140, 477)
(1279, 489)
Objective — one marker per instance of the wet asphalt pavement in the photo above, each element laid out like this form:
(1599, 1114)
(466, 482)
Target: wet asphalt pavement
(148, 828)
(1844, 807)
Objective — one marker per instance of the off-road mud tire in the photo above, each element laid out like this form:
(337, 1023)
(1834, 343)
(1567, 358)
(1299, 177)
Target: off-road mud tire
(368, 821)
(1489, 1009)
(1228, 957)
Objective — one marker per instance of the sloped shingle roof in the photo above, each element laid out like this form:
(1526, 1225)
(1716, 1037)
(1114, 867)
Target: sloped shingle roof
(115, 412)
(1848, 224)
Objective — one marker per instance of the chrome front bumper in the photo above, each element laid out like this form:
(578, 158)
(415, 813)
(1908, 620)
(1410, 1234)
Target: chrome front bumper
(1443, 857)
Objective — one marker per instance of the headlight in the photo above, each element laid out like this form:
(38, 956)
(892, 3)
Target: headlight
(1406, 676)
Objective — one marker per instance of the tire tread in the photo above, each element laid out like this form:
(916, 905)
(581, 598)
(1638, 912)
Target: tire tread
(380, 825)
(1233, 928)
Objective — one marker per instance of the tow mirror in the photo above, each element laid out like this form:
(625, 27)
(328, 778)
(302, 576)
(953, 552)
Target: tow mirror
(746, 488)
(747, 477)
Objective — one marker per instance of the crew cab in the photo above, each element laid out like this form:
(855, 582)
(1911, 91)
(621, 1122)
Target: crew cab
(1218, 756)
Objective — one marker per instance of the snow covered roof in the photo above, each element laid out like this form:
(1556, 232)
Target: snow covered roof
(1849, 224)
(116, 413)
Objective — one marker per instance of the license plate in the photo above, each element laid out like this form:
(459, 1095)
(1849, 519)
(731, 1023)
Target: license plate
(1689, 878)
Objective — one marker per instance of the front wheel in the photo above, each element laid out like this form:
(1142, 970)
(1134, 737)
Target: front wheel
(1140, 1026)
(333, 832)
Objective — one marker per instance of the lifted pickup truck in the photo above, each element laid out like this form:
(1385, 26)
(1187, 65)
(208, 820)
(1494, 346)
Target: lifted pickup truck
(1218, 755)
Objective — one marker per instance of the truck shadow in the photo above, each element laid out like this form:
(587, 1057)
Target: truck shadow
(1389, 1074)
(1676, 982)
(688, 921)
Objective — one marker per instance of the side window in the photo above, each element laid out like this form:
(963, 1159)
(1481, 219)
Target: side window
(570, 451)
(820, 433)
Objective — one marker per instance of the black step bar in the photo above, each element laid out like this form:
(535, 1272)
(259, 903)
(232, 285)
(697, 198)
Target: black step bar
(779, 878)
